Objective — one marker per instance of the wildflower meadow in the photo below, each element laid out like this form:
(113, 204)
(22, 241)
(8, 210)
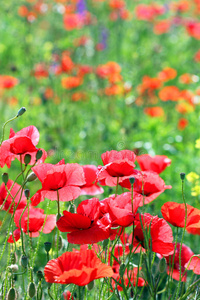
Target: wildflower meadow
(100, 150)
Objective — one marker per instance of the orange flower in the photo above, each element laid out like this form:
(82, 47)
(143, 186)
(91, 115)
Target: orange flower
(116, 4)
(71, 82)
(7, 81)
(184, 108)
(155, 111)
(40, 71)
(167, 74)
(78, 96)
(169, 93)
(182, 123)
(23, 11)
(197, 56)
(113, 90)
(185, 78)
(180, 6)
(162, 27)
(67, 64)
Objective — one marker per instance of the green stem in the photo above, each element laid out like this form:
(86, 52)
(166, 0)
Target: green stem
(3, 128)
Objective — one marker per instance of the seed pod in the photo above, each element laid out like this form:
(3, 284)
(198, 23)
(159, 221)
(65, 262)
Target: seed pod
(27, 193)
(47, 246)
(31, 289)
(11, 294)
(182, 175)
(122, 269)
(40, 275)
(132, 180)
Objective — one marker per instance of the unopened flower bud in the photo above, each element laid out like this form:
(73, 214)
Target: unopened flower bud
(31, 289)
(162, 265)
(60, 242)
(122, 269)
(5, 178)
(182, 175)
(31, 177)
(72, 208)
(132, 180)
(27, 159)
(27, 193)
(47, 246)
(39, 154)
(58, 216)
(40, 275)
(24, 261)
(11, 294)
(105, 243)
(90, 285)
(21, 111)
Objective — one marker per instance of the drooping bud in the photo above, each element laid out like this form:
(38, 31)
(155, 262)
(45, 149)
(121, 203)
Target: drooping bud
(27, 159)
(21, 111)
(90, 285)
(31, 177)
(39, 155)
(122, 269)
(13, 268)
(24, 261)
(105, 243)
(40, 275)
(72, 208)
(182, 175)
(27, 193)
(162, 265)
(31, 289)
(47, 246)
(5, 178)
(11, 294)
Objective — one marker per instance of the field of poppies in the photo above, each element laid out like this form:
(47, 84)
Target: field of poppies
(100, 149)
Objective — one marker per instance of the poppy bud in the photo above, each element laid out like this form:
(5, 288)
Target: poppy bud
(60, 242)
(132, 180)
(182, 175)
(21, 111)
(5, 178)
(31, 177)
(27, 193)
(31, 290)
(162, 265)
(122, 269)
(39, 154)
(40, 275)
(11, 294)
(58, 216)
(72, 208)
(105, 243)
(47, 246)
(24, 261)
(27, 159)
(90, 285)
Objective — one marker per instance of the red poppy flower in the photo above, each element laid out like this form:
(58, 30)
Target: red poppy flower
(120, 209)
(167, 74)
(7, 82)
(19, 202)
(67, 295)
(155, 111)
(85, 227)
(130, 278)
(147, 183)
(194, 264)
(186, 254)
(71, 82)
(182, 123)
(19, 144)
(79, 268)
(61, 178)
(15, 236)
(160, 233)
(169, 93)
(91, 187)
(157, 164)
(36, 221)
(174, 213)
(117, 167)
